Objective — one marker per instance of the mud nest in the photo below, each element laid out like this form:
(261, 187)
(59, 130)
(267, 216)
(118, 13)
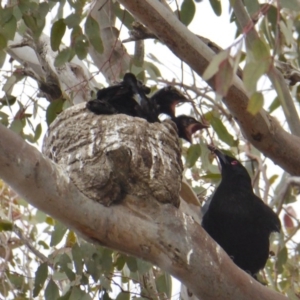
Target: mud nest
(110, 156)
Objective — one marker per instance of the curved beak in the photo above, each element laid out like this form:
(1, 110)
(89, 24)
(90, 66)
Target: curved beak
(222, 157)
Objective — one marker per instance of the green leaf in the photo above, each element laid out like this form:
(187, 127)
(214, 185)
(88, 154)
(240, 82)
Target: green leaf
(223, 78)
(53, 110)
(70, 274)
(3, 42)
(193, 153)
(73, 20)
(77, 259)
(274, 105)
(123, 296)
(5, 15)
(252, 6)
(64, 260)
(216, 6)
(66, 296)
(57, 32)
(17, 13)
(213, 176)
(131, 263)
(272, 179)
(30, 21)
(81, 48)
(40, 217)
(143, 266)
(280, 94)
(256, 103)
(4, 118)
(78, 294)
(123, 15)
(281, 259)
(44, 245)
(5, 225)
(58, 233)
(91, 260)
(65, 265)
(41, 275)
(17, 126)
(293, 5)
(17, 281)
(152, 70)
(5, 288)
(2, 57)
(64, 56)
(38, 132)
(9, 28)
(287, 32)
(120, 262)
(106, 260)
(9, 84)
(187, 12)
(260, 51)
(93, 33)
(252, 72)
(43, 9)
(221, 131)
(51, 291)
(213, 66)
(164, 284)
(8, 100)
(71, 239)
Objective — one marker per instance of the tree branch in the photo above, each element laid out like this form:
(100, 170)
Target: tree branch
(261, 130)
(159, 233)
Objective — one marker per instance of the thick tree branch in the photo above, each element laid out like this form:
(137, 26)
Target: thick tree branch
(159, 233)
(261, 130)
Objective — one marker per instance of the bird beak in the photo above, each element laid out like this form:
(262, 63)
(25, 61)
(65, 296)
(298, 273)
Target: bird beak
(192, 128)
(196, 126)
(222, 158)
(173, 107)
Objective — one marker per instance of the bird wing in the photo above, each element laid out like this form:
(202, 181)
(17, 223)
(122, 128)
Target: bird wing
(268, 219)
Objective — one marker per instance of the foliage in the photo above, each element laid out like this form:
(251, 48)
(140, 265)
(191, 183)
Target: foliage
(41, 257)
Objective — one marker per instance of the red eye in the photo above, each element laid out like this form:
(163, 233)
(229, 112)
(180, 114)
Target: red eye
(234, 162)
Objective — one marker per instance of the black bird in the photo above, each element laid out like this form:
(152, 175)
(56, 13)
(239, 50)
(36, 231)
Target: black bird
(187, 126)
(122, 89)
(101, 107)
(128, 97)
(238, 220)
(146, 108)
(166, 99)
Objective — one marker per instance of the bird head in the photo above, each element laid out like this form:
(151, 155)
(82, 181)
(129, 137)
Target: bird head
(166, 100)
(143, 87)
(230, 166)
(130, 80)
(187, 126)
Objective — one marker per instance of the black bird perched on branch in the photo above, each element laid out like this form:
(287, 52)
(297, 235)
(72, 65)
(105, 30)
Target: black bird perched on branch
(187, 126)
(238, 220)
(166, 99)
